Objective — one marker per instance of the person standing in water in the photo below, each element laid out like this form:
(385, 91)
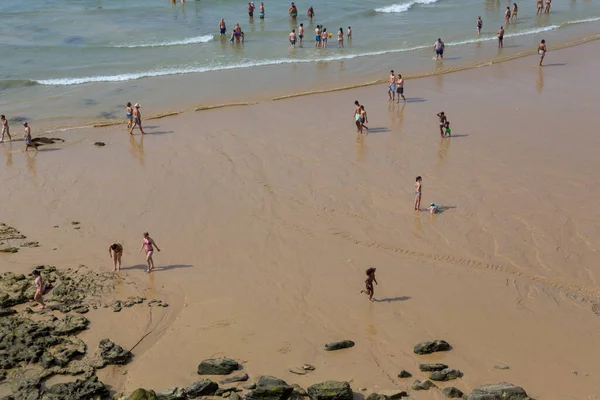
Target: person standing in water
(28, 141)
(500, 37)
(547, 8)
(318, 36)
(251, 10)
(40, 288)
(324, 38)
(301, 33)
(443, 119)
(293, 38)
(369, 290)
(400, 88)
(341, 38)
(311, 13)
(363, 119)
(349, 33)
(222, 27)
(5, 129)
(542, 51)
(418, 193)
(438, 48)
(515, 10)
(507, 15)
(479, 25)
(261, 11)
(116, 252)
(137, 119)
(148, 245)
(540, 6)
(293, 11)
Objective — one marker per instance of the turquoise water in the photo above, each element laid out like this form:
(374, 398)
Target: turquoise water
(49, 47)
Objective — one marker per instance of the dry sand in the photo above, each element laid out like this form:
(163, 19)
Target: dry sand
(269, 214)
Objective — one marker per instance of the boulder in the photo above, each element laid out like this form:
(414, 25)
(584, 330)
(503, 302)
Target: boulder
(498, 391)
(393, 394)
(172, 394)
(432, 367)
(404, 374)
(250, 386)
(88, 389)
(113, 354)
(425, 385)
(270, 388)
(204, 387)
(330, 390)
(142, 394)
(218, 366)
(299, 391)
(344, 344)
(234, 396)
(431, 347)
(447, 374)
(5, 312)
(235, 378)
(71, 324)
(452, 393)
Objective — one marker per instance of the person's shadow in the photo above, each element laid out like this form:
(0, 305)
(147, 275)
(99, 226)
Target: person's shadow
(158, 268)
(392, 299)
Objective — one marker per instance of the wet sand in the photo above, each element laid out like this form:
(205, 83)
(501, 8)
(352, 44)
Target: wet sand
(269, 214)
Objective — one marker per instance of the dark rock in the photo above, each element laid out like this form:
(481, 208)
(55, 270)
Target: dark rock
(432, 367)
(235, 378)
(204, 387)
(113, 354)
(425, 385)
(431, 347)
(344, 344)
(501, 366)
(375, 396)
(9, 250)
(388, 395)
(270, 388)
(218, 366)
(404, 374)
(298, 371)
(30, 244)
(250, 386)
(447, 374)
(330, 390)
(3, 376)
(142, 394)
(117, 306)
(100, 144)
(235, 396)
(308, 367)
(88, 389)
(498, 391)
(81, 309)
(224, 392)
(299, 391)
(172, 394)
(452, 393)
(77, 223)
(5, 312)
(10, 233)
(71, 324)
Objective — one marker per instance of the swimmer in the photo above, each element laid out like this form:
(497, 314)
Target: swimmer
(443, 120)
(507, 15)
(547, 8)
(137, 120)
(542, 50)
(5, 129)
(515, 10)
(40, 288)
(28, 141)
(222, 27)
(251, 10)
(434, 209)
(129, 114)
(400, 88)
(116, 252)
(324, 38)
(349, 33)
(438, 48)
(540, 6)
(293, 11)
(261, 11)
(341, 38)
(318, 36)
(356, 115)
(148, 245)
(311, 13)
(363, 119)
(418, 193)
(479, 25)
(392, 86)
(293, 38)
(500, 37)
(369, 289)
(301, 32)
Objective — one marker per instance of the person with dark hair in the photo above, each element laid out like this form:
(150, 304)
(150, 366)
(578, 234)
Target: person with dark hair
(148, 245)
(442, 116)
(542, 51)
(129, 114)
(357, 115)
(500, 37)
(5, 128)
(363, 119)
(418, 192)
(369, 289)
(40, 288)
(116, 252)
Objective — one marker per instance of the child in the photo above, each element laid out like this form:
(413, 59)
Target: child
(447, 126)
(5, 128)
(434, 209)
(369, 290)
(349, 33)
(40, 288)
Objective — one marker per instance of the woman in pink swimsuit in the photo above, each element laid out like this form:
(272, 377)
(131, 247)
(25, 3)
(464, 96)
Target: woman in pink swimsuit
(148, 245)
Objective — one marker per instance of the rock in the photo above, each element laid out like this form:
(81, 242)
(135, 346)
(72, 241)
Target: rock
(3, 376)
(204, 387)
(117, 307)
(5, 312)
(404, 374)
(344, 344)
(452, 393)
(30, 244)
(99, 144)
(9, 250)
(71, 324)
(432, 367)
(88, 389)
(299, 391)
(393, 394)
(235, 396)
(270, 388)
(81, 309)
(498, 391)
(113, 354)
(298, 371)
(425, 385)
(172, 394)
(225, 392)
(330, 390)
(77, 223)
(308, 367)
(250, 386)
(431, 347)
(501, 366)
(142, 394)
(218, 366)
(235, 378)
(447, 374)
(375, 396)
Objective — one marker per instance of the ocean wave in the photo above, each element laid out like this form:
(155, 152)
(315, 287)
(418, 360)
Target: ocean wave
(399, 8)
(194, 40)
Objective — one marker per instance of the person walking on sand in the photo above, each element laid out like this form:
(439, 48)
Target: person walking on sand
(293, 38)
(261, 10)
(542, 50)
(369, 290)
(442, 116)
(340, 38)
(363, 119)
(28, 141)
(5, 128)
(438, 48)
(293, 11)
(116, 252)
(515, 11)
(137, 119)
(500, 37)
(311, 13)
(357, 115)
(129, 114)
(507, 15)
(148, 246)
(222, 27)
(418, 193)
(479, 25)
(400, 88)
(40, 288)
(392, 86)
(301, 33)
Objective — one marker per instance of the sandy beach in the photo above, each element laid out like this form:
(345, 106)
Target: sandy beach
(268, 215)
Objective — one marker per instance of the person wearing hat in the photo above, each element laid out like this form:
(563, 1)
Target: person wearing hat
(137, 119)
(28, 141)
(434, 209)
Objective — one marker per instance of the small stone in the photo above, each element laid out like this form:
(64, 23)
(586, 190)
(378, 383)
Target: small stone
(404, 374)
(425, 385)
(172, 394)
(298, 371)
(575, 373)
(225, 394)
(308, 367)
(501, 366)
(99, 144)
(250, 386)
(77, 227)
(447, 374)
(330, 390)
(113, 354)
(234, 396)
(218, 366)
(204, 387)
(431, 347)
(344, 344)
(75, 222)
(30, 244)
(452, 393)
(164, 305)
(235, 378)
(393, 394)
(81, 309)
(503, 390)
(9, 250)
(117, 307)
(432, 367)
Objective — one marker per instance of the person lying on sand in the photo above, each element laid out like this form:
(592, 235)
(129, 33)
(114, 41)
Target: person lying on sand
(369, 289)
(434, 209)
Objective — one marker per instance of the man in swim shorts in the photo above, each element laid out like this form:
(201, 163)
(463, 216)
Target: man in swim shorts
(542, 51)
(392, 86)
(301, 32)
(261, 11)
(251, 10)
(293, 38)
(501, 37)
(400, 87)
(318, 36)
(438, 48)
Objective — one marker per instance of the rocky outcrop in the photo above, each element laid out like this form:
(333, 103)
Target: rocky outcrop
(235, 378)
(447, 374)
(204, 387)
(113, 354)
(330, 390)
(172, 394)
(142, 394)
(404, 374)
(270, 388)
(498, 391)
(452, 393)
(388, 395)
(86, 389)
(344, 344)
(425, 385)
(432, 367)
(431, 347)
(218, 366)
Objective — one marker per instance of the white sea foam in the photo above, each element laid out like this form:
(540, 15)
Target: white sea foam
(399, 8)
(194, 40)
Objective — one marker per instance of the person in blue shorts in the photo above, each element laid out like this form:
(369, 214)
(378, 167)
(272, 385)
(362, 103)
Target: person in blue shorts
(318, 36)
(438, 48)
